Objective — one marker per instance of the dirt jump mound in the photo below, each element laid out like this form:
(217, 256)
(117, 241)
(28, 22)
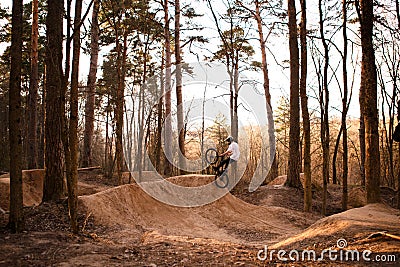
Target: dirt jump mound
(227, 219)
(32, 188)
(355, 226)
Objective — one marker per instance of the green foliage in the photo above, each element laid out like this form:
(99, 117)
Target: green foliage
(235, 45)
(129, 18)
(5, 36)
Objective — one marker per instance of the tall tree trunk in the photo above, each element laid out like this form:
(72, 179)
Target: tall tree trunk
(139, 159)
(334, 157)
(168, 122)
(72, 174)
(16, 219)
(398, 13)
(53, 188)
(370, 110)
(33, 90)
(273, 173)
(160, 116)
(41, 120)
(87, 157)
(107, 141)
(119, 107)
(304, 109)
(293, 176)
(398, 174)
(362, 136)
(64, 89)
(362, 126)
(345, 109)
(325, 135)
(235, 122)
(179, 114)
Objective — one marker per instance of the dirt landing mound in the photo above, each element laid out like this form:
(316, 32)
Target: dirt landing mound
(358, 197)
(228, 219)
(354, 226)
(33, 188)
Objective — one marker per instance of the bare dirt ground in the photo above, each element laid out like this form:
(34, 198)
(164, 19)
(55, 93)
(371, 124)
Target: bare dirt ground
(123, 226)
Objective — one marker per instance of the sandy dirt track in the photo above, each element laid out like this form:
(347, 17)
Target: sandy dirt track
(227, 219)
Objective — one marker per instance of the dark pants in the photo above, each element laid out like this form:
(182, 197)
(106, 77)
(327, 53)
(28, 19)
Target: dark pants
(225, 163)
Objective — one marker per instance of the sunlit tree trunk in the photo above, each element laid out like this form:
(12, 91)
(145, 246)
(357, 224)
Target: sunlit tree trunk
(16, 219)
(334, 157)
(160, 117)
(72, 169)
(168, 123)
(304, 109)
(370, 110)
(324, 98)
(398, 13)
(139, 159)
(53, 188)
(273, 173)
(119, 106)
(398, 174)
(33, 90)
(345, 109)
(293, 176)
(87, 157)
(179, 103)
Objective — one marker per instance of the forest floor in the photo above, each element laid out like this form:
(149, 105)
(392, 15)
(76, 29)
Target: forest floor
(123, 226)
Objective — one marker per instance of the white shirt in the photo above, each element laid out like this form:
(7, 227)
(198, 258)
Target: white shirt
(234, 148)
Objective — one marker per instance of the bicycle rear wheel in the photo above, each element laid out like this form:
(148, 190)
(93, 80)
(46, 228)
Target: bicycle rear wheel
(211, 156)
(222, 181)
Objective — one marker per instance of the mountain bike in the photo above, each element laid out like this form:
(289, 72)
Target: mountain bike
(214, 159)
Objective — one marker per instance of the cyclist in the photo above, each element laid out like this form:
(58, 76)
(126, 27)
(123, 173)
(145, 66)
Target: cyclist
(233, 152)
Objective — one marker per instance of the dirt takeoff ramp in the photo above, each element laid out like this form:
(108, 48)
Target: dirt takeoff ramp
(227, 219)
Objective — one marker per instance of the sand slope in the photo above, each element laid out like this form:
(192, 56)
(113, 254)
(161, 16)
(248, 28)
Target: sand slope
(354, 225)
(227, 219)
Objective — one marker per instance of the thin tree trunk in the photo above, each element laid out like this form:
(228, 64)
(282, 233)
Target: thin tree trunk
(16, 219)
(160, 117)
(293, 176)
(106, 157)
(344, 112)
(273, 173)
(168, 122)
(87, 157)
(72, 175)
(139, 159)
(362, 137)
(325, 136)
(119, 112)
(235, 124)
(53, 188)
(179, 114)
(42, 122)
(370, 110)
(398, 174)
(33, 90)
(362, 131)
(398, 13)
(334, 158)
(304, 110)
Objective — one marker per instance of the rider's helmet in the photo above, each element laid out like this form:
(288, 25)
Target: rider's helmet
(229, 139)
